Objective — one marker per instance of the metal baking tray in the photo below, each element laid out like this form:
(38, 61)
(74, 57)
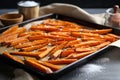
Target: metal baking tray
(104, 66)
(69, 67)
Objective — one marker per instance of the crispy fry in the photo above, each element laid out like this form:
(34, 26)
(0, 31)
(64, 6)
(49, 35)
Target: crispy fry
(84, 49)
(66, 38)
(56, 42)
(35, 37)
(58, 37)
(9, 39)
(19, 40)
(42, 49)
(31, 48)
(102, 31)
(67, 52)
(10, 30)
(56, 54)
(52, 66)
(66, 34)
(102, 45)
(20, 30)
(12, 57)
(54, 22)
(61, 46)
(38, 66)
(44, 28)
(32, 33)
(23, 45)
(30, 54)
(80, 34)
(70, 43)
(109, 38)
(61, 61)
(90, 43)
(28, 44)
(45, 53)
(113, 35)
(80, 55)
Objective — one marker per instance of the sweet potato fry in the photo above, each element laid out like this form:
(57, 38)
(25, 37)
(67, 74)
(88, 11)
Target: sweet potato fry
(92, 38)
(80, 55)
(23, 45)
(102, 31)
(61, 61)
(42, 49)
(45, 53)
(53, 22)
(31, 48)
(109, 38)
(19, 40)
(38, 66)
(28, 44)
(66, 38)
(58, 37)
(12, 57)
(67, 52)
(9, 39)
(56, 42)
(65, 29)
(90, 43)
(65, 34)
(61, 46)
(70, 43)
(30, 54)
(35, 37)
(80, 34)
(113, 35)
(79, 50)
(44, 28)
(102, 45)
(52, 66)
(32, 33)
(10, 30)
(56, 54)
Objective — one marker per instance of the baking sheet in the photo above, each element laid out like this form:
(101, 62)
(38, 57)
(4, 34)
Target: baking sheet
(103, 67)
(71, 66)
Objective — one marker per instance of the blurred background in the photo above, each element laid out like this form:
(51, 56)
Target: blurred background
(5, 4)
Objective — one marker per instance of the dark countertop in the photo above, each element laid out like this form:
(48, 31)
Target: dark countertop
(6, 72)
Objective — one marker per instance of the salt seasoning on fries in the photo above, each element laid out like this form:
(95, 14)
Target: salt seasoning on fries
(52, 43)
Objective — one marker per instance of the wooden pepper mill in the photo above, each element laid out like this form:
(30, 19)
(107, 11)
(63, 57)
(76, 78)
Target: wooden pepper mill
(115, 17)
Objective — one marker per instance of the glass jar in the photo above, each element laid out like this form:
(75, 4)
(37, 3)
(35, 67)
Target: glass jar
(29, 9)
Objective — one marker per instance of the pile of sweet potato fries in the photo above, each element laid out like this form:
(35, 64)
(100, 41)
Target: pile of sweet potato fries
(53, 43)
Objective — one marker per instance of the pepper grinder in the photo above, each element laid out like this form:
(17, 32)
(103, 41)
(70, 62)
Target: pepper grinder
(115, 17)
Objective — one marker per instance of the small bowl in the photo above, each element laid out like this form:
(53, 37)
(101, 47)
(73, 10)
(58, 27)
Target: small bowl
(11, 18)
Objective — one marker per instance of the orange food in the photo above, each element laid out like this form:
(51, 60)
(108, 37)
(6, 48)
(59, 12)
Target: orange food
(61, 61)
(38, 66)
(12, 57)
(30, 54)
(53, 43)
(52, 66)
